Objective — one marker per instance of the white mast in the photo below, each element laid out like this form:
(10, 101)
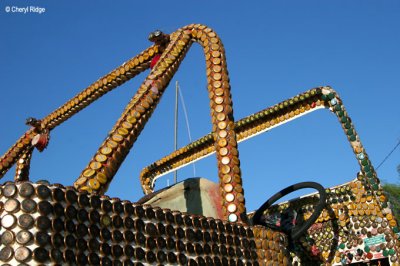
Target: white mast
(176, 127)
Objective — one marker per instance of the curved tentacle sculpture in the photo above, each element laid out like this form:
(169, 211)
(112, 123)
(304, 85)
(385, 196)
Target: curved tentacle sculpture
(105, 84)
(96, 177)
(312, 100)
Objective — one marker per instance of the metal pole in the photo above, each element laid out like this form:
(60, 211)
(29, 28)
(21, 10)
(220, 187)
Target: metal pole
(176, 127)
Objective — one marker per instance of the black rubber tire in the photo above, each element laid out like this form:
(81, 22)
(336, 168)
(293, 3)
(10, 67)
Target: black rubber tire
(296, 231)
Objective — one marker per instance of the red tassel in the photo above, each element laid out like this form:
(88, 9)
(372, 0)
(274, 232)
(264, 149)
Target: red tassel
(154, 60)
(40, 141)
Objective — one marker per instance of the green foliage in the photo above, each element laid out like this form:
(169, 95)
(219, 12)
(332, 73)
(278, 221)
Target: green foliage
(393, 193)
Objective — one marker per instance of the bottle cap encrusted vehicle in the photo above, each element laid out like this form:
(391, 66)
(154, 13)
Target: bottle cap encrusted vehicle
(196, 221)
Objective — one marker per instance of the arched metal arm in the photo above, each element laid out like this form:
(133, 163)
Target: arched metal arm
(245, 128)
(116, 77)
(98, 174)
(265, 120)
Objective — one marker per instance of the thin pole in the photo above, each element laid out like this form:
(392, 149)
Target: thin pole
(187, 125)
(176, 127)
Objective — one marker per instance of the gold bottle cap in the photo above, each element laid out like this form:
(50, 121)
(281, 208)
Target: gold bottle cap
(240, 197)
(222, 125)
(102, 178)
(393, 223)
(232, 207)
(117, 137)
(95, 165)
(222, 133)
(216, 68)
(217, 76)
(221, 116)
(219, 99)
(101, 158)
(219, 91)
(219, 108)
(111, 144)
(227, 178)
(131, 119)
(123, 131)
(225, 160)
(94, 184)
(229, 197)
(82, 180)
(89, 173)
(225, 169)
(222, 143)
(216, 61)
(228, 187)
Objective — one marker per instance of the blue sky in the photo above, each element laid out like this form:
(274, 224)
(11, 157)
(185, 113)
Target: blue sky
(275, 50)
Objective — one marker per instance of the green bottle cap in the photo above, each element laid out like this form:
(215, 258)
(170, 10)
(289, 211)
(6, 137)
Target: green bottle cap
(349, 131)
